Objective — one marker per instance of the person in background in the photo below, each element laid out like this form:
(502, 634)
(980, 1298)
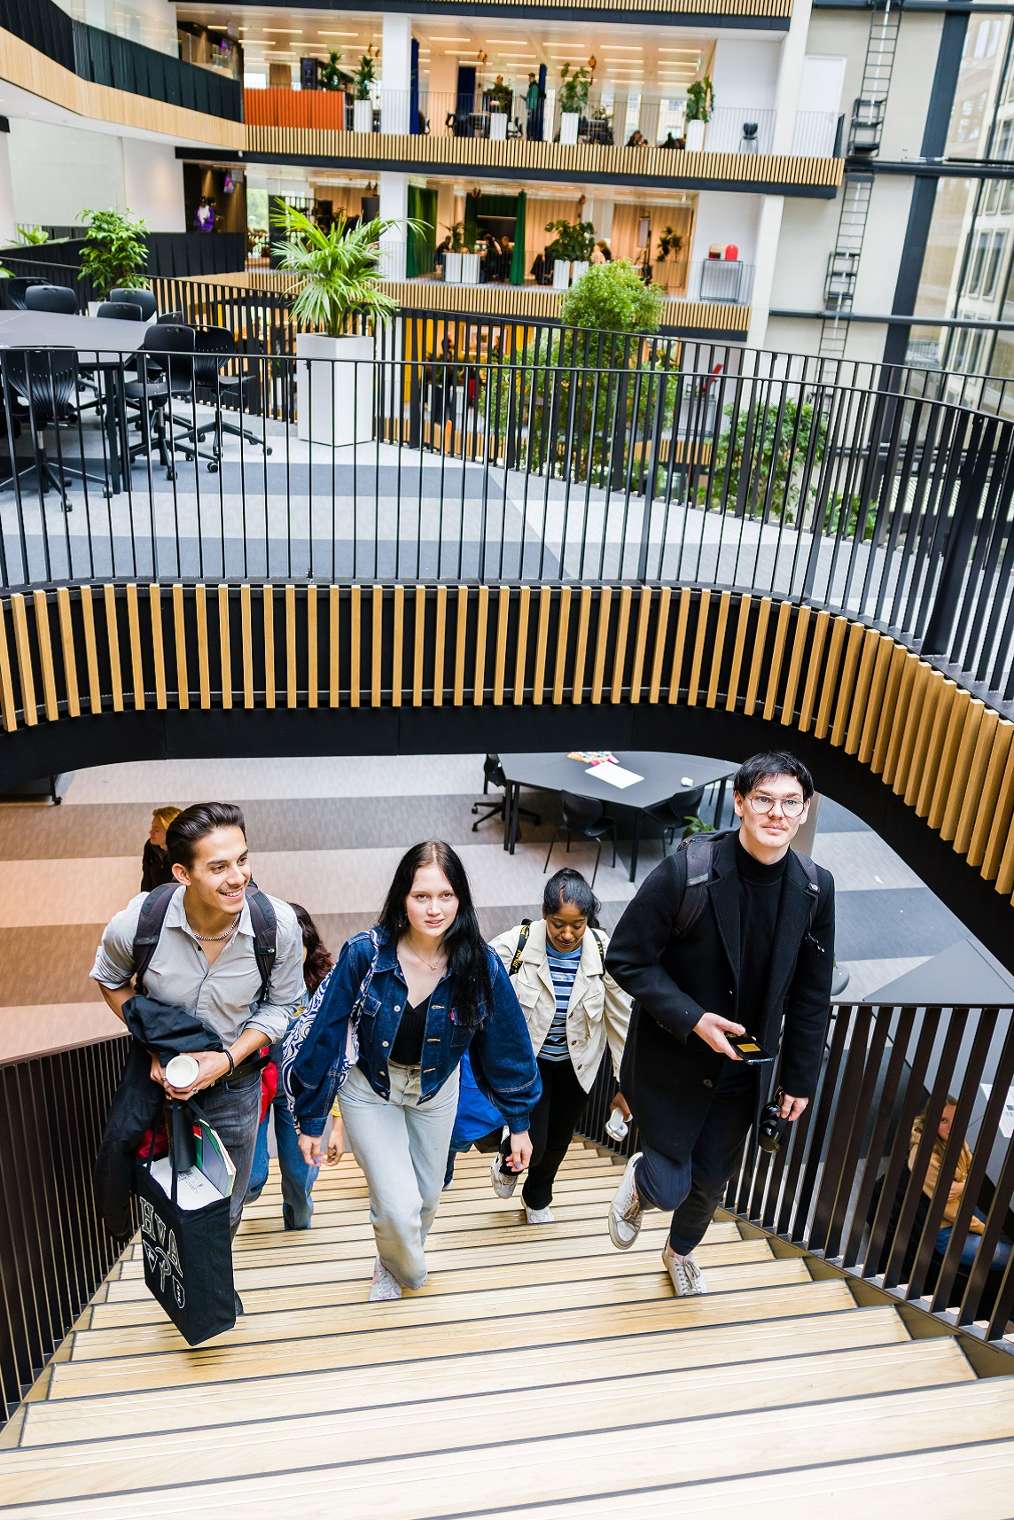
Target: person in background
(956, 1191)
(605, 250)
(533, 101)
(297, 1178)
(411, 996)
(572, 1008)
(637, 140)
(597, 256)
(156, 866)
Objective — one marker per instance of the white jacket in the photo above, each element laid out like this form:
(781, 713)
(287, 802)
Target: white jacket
(598, 1009)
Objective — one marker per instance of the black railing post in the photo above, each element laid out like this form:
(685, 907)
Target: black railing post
(958, 542)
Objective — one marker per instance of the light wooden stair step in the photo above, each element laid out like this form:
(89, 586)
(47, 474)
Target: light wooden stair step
(323, 1267)
(447, 1310)
(285, 1442)
(257, 1218)
(286, 1388)
(574, 1269)
(680, 1452)
(335, 1180)
(320, 1247)
(373, 1347)
(971, 1482)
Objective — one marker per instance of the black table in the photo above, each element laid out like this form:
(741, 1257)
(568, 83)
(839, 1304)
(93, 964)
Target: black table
(101, 344)
(663, 776)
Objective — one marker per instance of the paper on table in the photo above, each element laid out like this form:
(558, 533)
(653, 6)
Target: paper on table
(616, 775)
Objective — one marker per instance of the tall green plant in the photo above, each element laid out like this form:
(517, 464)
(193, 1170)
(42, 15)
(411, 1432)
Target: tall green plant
(575, 87)
(574, 240)
(700, 100)
(115, 250)
(332, 77)
(338, 270)
(31, 237)
(365, 76)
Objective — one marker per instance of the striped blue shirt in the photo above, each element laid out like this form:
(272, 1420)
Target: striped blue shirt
(563, 969)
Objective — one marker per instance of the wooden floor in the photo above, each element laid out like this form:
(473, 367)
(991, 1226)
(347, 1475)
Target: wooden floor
(538, 1374)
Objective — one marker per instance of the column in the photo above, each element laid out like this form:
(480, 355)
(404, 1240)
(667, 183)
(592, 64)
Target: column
(769, 227)
(395, 73)
(153, 184)
(790, 74)
(393, 207)
(7, 227)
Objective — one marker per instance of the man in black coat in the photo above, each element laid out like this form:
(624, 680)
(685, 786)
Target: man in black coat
(756, 959)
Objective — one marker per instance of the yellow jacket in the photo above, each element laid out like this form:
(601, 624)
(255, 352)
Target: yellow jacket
(957, 1187)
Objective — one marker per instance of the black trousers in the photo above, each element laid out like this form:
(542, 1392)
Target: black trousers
(692, 1185)
(551, 1128)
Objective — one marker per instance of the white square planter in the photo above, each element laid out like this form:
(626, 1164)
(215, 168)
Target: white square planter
(452, 268)
(569, 121)
(498, 126)
(362, 116)
(578, 268)
(561, 274)
(695, 136)
(469, 269)
(334, 400)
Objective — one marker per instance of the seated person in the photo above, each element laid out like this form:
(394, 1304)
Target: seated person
(955, 1193)
(637, 140)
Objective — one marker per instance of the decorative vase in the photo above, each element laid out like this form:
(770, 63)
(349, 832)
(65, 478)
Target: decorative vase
(577, 269)
(469, 269)
(452, 268)
(498, 126)
(362, 116)
(695, 136)
(561, 274)
(334, 392)
(569, 121)
(732, 252)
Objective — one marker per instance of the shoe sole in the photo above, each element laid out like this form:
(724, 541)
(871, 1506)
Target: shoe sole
(499, 1188)
(611, 1221)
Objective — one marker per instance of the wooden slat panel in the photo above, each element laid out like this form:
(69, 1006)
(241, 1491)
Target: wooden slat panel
(829, 679)
(113, 647)
(562, 631)
(757, 655)
(682, 618)
(225, 645)
(918, 759)
(45, 649)
(644, 602)
(418, 650)
(971, 801)
(460, 645)
(966, 721)
(1000, 815)
(23, 646)
(203, 659)
(620, 651)
(581, 647)
(158, 645)
(398, 647)
(738, 653)
(909, 692)
(934, 757)
(312, 656)
(799, 637)
(900, 760)
(521, 653)
(661, 633)
(91, 649)
(503, 608)
(377, 648)
(134, 636)
(246, 633)
(821, 629)
(777, 657)
(847, 684)
(291, 687)
(718, 648)
(439, 645)
(268, 603)
(481, 635)
(885, 721)
(541, 645)
(875, 702)
(605, 607)
(180, 638)
(7, 703)
(334, 646)
(355, 644)
(70, 686)
(697, 658)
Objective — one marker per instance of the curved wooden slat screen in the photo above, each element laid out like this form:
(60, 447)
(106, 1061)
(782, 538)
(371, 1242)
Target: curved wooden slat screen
(77, 653)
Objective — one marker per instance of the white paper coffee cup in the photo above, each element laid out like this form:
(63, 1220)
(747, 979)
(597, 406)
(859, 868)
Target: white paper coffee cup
(182, 1071)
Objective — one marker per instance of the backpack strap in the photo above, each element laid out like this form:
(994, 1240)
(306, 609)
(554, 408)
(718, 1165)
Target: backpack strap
(152, 917)
(596, 936)
(519, 949)
(265, 928)
(699, 850)
(814, 885)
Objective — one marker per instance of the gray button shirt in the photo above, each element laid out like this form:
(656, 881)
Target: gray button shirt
(222, 994)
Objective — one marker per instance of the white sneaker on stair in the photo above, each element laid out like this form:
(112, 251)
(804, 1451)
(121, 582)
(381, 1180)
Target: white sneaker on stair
(504, 1182)
(685, 1275)
(540, 1216)
(625, 1211)
(385, 1285)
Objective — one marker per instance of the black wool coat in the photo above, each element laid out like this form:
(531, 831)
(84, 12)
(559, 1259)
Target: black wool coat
(668, 1072)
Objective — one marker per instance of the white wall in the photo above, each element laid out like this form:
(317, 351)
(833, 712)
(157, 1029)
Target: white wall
(882, 247)
(846, 33)
(807, 237)
(7, 215)
(745, 72)
(57, 172)
(153, 184)
(724, 218)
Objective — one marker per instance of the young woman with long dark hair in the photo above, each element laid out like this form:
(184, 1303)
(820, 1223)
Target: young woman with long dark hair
(401, 1007)
(572, 1008)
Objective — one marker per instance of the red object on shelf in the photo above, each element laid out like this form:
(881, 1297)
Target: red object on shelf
(731, 251)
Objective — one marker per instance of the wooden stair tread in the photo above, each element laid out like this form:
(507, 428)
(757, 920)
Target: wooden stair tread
(282, 1443)
(73, 1418)
(108, 1315)
(450, 1309)
(674, 1451)
(330, 1214)
(602, 1176)
(370, 1347)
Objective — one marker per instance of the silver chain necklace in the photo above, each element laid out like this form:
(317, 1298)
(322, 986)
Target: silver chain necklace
(209, 939)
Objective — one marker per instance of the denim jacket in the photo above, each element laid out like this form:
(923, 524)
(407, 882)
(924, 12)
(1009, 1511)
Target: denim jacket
(500, 1048)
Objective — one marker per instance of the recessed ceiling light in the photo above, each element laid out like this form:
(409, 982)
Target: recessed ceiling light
(618, 48)
(284, 31)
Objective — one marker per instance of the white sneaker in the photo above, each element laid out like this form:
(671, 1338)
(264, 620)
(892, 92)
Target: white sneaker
(685, 1275)
(625, 1211)
(540, 1216)
(504, 1183)
(385, 1285)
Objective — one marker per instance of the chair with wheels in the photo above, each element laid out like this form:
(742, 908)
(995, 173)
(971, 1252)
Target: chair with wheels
(585, 818)
(142, 298)
(56, 298)
(214, 347)
(167, 354)
(673, 814)
(492, 775)
(43, 386)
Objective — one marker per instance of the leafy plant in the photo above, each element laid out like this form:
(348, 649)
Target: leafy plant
(696, 825)
(700, 100)
(762, 458)
(31, 237)
(365, 76)
(574, 240)
(332, 76)
(115, 250)
(612, 298)
(669, 242)
(457, 231)
(338, 269)
(501, 97)
(575, 88)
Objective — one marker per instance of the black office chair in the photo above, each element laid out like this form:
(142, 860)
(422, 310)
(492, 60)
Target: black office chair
(673, 814)
(142, 298)
(214, 347)
(172, 318)
(492, 775)
(167, 355)
(57, 298)
(15, 288)
(45, 384)
(587, 819)
(749, 143)
(120, 311)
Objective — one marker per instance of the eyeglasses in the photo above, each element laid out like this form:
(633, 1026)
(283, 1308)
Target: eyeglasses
(791, 807)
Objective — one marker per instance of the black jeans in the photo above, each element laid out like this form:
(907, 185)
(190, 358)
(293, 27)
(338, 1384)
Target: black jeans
(693, 1185)
(551, 1128)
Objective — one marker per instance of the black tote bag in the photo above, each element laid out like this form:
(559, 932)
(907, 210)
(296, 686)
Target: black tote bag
(187, 1252)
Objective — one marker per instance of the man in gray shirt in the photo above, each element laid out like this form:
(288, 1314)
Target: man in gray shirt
(205, 962)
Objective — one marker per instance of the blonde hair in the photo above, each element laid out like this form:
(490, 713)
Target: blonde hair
(165, 815)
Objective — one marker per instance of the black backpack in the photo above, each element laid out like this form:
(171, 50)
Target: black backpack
(700, 851)
(153, 914)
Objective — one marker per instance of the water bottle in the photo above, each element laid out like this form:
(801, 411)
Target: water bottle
(617, 1127)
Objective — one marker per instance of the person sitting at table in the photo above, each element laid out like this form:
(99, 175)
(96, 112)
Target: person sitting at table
(956, 1191)
(637, 140)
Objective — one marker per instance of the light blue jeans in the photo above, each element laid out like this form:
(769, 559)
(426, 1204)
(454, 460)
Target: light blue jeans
(401, 1146)
(297, 1178)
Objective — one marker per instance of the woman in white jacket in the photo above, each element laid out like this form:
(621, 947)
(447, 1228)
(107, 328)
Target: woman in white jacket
(572, 1007)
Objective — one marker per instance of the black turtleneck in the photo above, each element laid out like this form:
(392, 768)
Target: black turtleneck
(760, 895)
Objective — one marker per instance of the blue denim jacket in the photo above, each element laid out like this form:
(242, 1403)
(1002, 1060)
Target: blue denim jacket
(500, 1048)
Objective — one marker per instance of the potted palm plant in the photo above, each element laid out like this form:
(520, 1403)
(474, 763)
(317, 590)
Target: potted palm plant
(363, 81)
(700, 104)
(338, 275)
(115, 252)
(575, 87)
(452, 258)
(570, 250)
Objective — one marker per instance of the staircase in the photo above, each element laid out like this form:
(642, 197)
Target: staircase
(539, 1373)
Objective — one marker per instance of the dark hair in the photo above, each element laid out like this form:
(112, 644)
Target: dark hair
(570, 886)
(318, 960)
(194, 824)
(467, 955)
(773, 762)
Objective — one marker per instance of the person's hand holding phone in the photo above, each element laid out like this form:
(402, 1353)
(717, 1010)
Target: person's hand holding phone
(715, 1031)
